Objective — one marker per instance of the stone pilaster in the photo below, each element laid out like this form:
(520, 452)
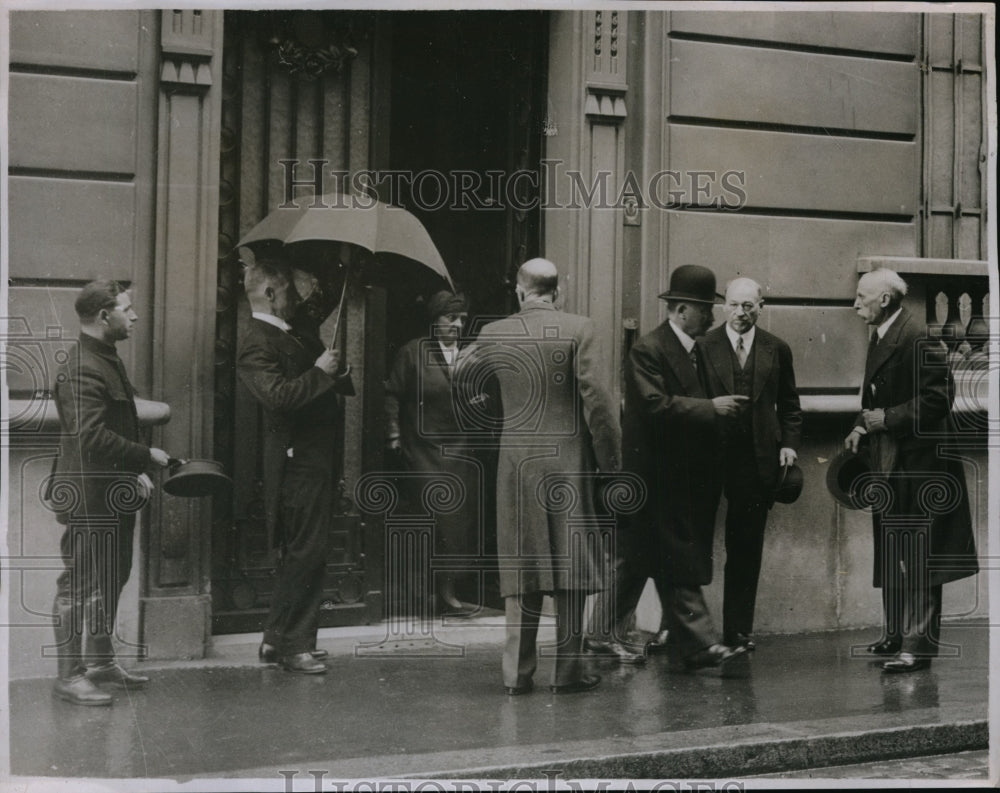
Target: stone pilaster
(585, 166)
(175, 604)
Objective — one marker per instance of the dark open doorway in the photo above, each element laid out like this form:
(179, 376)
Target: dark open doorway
(467, 102)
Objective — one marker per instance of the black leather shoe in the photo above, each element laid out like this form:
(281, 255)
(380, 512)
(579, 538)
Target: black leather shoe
(268, 654)
(516, 691)
(741, 640)
(585, 683)
(615, 650)
(303, 664)
(117, 675)
(80, 691)
(906, 662)
(658, 644)
(885, 647)
(715, 656)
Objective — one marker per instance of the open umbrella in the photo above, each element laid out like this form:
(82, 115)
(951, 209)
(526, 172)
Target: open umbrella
(357, 220)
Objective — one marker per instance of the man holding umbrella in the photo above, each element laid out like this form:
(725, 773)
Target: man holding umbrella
(296, 381)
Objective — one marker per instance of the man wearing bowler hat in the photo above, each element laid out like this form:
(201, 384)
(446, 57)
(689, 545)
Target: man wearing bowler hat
(923, 532)
(670, 438)
(759, 442)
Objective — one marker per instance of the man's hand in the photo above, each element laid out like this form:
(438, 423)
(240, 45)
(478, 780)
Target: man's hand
(159, 457)
(787, 456)
(146, 486)
(729, 405)
(851, 441)
(874, 420)
(329, 362)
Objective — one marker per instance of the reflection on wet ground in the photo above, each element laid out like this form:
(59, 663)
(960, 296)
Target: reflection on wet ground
(210, 719)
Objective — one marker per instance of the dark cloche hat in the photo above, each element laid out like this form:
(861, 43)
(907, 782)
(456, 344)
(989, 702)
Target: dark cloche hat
(445, 302)
(692, 282)
(842, 476)
(789, 486)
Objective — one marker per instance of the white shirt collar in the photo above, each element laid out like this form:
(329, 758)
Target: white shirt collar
(747, 337)
(270, 319)
(684, 339)
(882, 329)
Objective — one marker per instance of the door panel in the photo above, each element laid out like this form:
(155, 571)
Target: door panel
(457, 91)
(270, 114)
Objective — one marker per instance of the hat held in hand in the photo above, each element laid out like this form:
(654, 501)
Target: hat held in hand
(789, 486)
(843, 474)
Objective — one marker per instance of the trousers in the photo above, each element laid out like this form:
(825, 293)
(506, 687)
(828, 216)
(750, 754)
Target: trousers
(520, 658)
(306, 512)
(97, 558)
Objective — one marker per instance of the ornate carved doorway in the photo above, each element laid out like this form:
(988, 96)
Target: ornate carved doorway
(414, 92)
(297, 87)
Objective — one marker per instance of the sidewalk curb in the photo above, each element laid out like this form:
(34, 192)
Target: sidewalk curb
(741, 759)
(711, 753)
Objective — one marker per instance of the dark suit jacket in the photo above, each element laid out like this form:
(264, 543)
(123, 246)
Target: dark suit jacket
(670, 439)
(775, 411)
(300, 406)
(100, 452)
(908, 376)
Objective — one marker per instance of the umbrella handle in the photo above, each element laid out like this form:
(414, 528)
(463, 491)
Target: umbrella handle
(340, 308)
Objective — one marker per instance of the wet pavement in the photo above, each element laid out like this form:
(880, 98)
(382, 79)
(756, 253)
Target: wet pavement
(447, 716)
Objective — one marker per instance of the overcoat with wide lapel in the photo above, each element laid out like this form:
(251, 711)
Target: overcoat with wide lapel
(774, 401)
(908, 376)
(670, 438)
(559, 425)
(423, 409)
(300, 406)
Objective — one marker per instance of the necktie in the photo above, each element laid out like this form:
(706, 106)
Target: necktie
(693, 355)
(299, 337)
(872, 345)
(868, 363)
(741, 352)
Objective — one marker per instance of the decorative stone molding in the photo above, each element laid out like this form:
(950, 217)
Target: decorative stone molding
(186, 40)
(185, 73)
(39, 415)
(606, 104)
(310, 44)
(608, 32)
(915, 265)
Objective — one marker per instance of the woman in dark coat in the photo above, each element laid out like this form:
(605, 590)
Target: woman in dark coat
(422, 425)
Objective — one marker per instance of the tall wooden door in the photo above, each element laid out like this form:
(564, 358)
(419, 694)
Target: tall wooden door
(413, 92)
(297, 88)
